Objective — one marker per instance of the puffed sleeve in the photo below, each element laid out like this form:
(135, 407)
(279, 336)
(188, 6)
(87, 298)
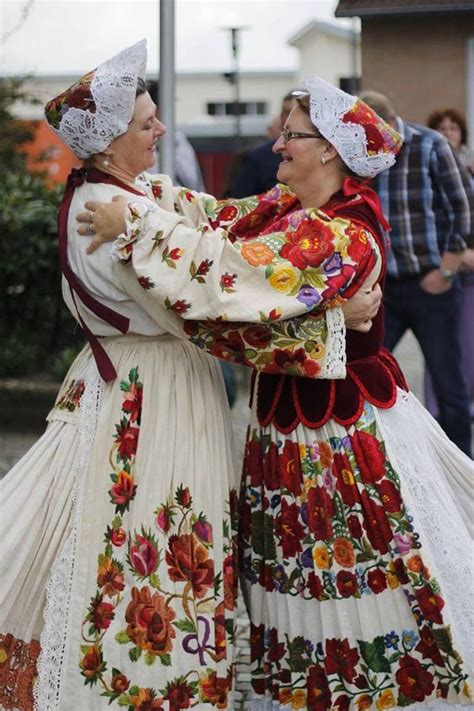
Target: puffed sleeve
(204, 273)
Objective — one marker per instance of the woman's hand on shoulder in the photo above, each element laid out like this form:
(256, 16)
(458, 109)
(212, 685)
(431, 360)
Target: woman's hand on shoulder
(102, 221)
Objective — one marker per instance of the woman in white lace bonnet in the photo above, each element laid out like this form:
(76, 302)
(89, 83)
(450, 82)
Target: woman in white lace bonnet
(354, 503)
(117, 572)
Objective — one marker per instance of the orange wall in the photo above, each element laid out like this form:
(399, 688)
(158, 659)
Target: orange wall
(57, 160)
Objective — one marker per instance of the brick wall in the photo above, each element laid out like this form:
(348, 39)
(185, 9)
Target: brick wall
(419, 62)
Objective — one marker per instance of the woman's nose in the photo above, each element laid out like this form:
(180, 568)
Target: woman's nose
(160, 128)
(279, 144)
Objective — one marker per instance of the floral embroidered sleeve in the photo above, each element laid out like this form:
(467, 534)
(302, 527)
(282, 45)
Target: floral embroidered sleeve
(302, 261)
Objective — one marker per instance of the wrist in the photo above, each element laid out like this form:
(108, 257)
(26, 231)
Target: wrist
(448, 274)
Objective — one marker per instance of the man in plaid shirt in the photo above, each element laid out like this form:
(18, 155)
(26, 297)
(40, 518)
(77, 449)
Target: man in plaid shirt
(429, 202)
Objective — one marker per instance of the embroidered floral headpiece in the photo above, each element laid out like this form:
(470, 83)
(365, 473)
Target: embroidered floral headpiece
(366, 143)
(99, 107)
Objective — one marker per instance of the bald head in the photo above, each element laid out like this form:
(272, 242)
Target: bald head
(380, 104)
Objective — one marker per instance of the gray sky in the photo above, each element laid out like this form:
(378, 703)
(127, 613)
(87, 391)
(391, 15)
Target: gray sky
(65, 36)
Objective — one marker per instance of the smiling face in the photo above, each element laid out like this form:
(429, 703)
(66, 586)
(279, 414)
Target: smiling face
(301, 157)
(134, 151)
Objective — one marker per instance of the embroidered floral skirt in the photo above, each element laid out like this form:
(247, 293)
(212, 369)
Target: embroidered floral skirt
(117, 571)
(356, 564)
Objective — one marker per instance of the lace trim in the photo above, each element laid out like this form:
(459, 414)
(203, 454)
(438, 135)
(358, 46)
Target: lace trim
(335, 362)
(113, 91)
(55, 634)
(436, 460)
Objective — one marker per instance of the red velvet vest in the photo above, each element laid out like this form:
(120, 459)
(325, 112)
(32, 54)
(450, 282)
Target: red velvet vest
(373, 373)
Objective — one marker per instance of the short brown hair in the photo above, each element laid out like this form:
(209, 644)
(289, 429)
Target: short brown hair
(437, 117)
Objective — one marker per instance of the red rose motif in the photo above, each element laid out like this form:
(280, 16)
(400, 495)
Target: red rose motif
(119, 683)
(230, 347)
(123, 489)
(116, 536)
(428, 647)
(290, 468)
(157, 191)
(336, 283)
(227, 280)
(347, 584)
(415, 683)
(100, 613)
(319, 693)
(127, 439)
(149, 621)
(389, 496)
(289, 530)
(320, 509)
(132, 402)
(430, 604)
(175, 254)
(341, 658)
(143, 556)
(92, 663)
(400, 571)
(257, 647)
(258, 336)
(164, 518)
(377, 580)
(376, 524)
(214, 689)
(342, 703)
(369, 455)
(179, 694)
(188, 561)
(315, 586)
(309, 245)
(145, 282)
(353, 524)
(228, 213)
(276, 649)
(375, 141)
(345, 482)
(358, 244)
(203, 530)
(183, 497)
(180, 306)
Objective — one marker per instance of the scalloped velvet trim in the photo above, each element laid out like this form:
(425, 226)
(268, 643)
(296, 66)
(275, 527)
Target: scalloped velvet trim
(285, 401)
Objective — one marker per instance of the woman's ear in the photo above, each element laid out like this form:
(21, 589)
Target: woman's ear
(329, 152)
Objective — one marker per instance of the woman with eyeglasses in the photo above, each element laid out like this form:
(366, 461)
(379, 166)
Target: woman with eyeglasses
(354, 509)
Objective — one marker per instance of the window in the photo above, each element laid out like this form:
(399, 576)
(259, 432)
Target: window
(246, 108)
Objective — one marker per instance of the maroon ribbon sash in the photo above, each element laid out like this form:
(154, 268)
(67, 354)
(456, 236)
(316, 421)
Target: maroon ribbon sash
(78, 290)
(352, 187)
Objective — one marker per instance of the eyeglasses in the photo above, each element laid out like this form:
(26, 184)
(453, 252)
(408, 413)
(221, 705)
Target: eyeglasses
(288, 135)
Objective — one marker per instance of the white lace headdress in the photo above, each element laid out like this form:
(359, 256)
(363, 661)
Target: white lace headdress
(366, 143)
(99, 106)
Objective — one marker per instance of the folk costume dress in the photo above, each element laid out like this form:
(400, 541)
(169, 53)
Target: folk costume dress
(118, 567)
(354, 515)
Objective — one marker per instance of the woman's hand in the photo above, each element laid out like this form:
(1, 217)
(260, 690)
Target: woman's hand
(103, 221)
(361, 308)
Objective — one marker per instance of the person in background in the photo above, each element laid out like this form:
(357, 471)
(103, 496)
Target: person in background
(429, 202)
(259, 166)
(452, 124)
